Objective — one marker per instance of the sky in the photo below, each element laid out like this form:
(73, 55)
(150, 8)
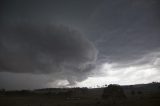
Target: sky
(78, 43)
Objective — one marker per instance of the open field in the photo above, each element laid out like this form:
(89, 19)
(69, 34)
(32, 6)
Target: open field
(91, 97)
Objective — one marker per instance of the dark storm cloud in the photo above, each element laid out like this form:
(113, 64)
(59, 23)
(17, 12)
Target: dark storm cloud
(14, 81)
(124, 32)
(44, 49)
(42, 11)
(59, 51)
(126, 29)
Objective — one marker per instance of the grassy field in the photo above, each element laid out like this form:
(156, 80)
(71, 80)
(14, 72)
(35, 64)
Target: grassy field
(44, 100)
(149, 96)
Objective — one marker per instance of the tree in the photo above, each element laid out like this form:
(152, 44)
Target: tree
(114, 92)
(2, 91)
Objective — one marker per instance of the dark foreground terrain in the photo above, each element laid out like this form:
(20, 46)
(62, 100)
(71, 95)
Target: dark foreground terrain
(135, 95)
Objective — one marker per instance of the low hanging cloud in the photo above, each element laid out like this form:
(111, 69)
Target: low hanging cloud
(46, 49)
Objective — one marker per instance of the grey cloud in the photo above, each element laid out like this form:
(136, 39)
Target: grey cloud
(45, 49)
(126, 30)
(14, 81)
(123, 32)
(152, 59)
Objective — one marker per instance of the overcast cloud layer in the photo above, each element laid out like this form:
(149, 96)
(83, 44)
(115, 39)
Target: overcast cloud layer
(63, 42)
